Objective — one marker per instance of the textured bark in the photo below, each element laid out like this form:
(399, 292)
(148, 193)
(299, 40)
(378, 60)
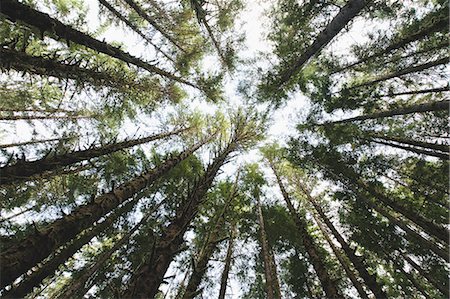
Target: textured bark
(36, 141)
(227, 267)
(418, 108)
(266, 252)
(125, 20)
(345, 15)
(147, 278)
(358, 262)
(18, 12)
(22, 62)
(328, 285)
(152, 22)
(440, 155)
(405, 71)
(342, 260)
(48, 268)
(413, 92)
(31, 250)
(430, 146)
(441, 24)
(26, 170)
(78, 288)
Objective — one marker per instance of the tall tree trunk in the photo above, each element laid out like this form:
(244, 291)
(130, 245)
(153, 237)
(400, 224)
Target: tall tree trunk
(199, 266)
(78, 288)
(440, 24)
(418, 108)
(227, 266)
(36, 141)
(49, 111)
(358, 262)
(42, 117)
(345, 15)
(440, 155)
(25, 170)
(33, 280)
(266, 252)
(18, 12)
(430, 146)
(35, 247)
(147, 278)
(152, 22)
(22, 62)
(405, 71)
(342, 260)
(125, 20)
(328, 285)
(414, 92)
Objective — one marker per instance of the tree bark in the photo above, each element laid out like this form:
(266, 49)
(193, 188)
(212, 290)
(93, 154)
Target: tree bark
(147, 278)
(35, 141)
(227, 267)
(418, 108)
(22, 62)
(413, 92)
(26, 170)
(26, 285)
(328, 285)
(31, 250)
(440, 155)
(345, 15)
(429, 146)
(18, 12)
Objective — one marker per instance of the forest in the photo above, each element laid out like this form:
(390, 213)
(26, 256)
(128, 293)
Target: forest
(253, 149)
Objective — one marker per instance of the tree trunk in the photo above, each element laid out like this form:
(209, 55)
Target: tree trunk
(125, 20)
(440, 25)
(266, 253)
(42, 117)
(17, 214)
(227, 267)
(47, 269)
(31, 250)
(328, 285)
(18, 12)
(440, 155)
(413, 92)
(152, 22)
(78, 288)
(418, 108)
(36, 141)
(22, 62)
(358, 262)
(147, 278)
(430, 146)
(345, 15)
(342, 260)
(26, 170)
(405, 71)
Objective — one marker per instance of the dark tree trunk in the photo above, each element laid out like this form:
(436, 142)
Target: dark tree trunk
(42, 117)
(18, 12)
(21, 62)
(36, 141)
(26, 170)
(17, 214)
(345, 15)
(147, 278)
(426, 145)
(419, 108)
(227, 267)
(48, 268)
(328, 285)
(34, 248)
(413, 92)
(440, 155)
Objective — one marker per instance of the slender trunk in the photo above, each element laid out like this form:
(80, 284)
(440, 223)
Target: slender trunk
(78, 288)
(440, 155)
(418, 108)
(441, 24)
(26, 170)
(42, 117)
(227, 267)
(125, 20)
(199, 267)
(18, 12)
(413, 92)
(405, 71)
(37, 246)
(430, 146)
(358, 262)
(152, 22)
(35, 141)
(47, 269)
(147, 278)
(266, 253)
(22, 62)
(17, 214)
(358, 286)
(345, 15)
(50, 111)
(328, 285)
(415, 283)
